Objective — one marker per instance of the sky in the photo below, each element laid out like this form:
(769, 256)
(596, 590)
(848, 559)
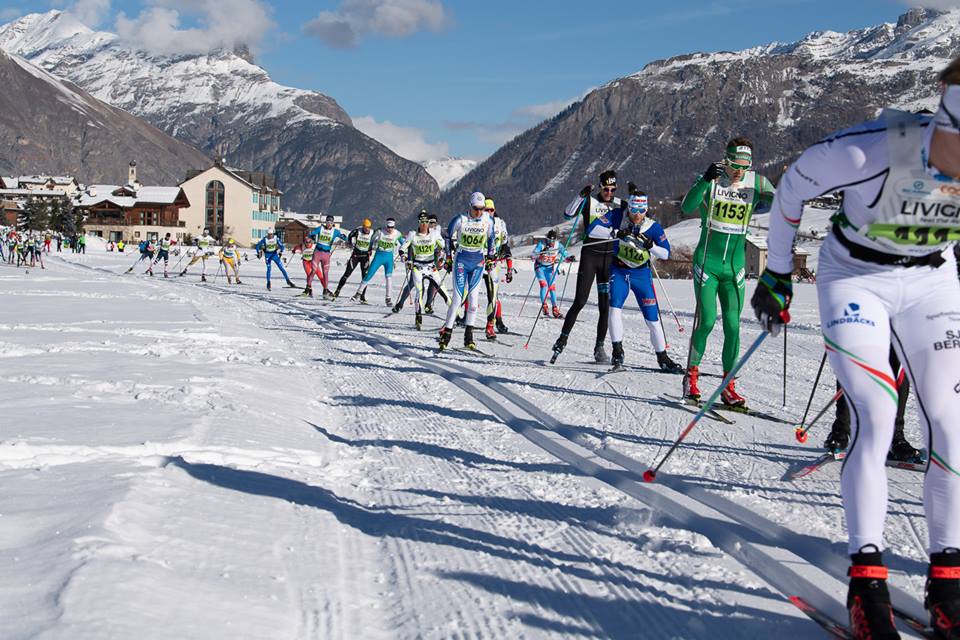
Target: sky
(431, 78)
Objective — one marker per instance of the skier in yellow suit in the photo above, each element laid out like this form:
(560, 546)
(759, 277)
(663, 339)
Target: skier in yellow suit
(230, 259)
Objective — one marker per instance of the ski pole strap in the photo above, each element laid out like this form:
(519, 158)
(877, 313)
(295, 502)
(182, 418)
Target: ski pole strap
(945, 573)
(878, 572)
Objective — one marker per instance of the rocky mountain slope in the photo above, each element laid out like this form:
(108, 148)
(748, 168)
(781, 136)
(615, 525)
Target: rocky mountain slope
(50, 126)
(661, 126)
(222, 102)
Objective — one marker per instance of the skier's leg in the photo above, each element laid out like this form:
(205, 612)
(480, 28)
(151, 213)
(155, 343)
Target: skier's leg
(325, 276)
(388, 274)
(276, 258)
(642, 284)
(705, 290)
(603, 296)
(590, 262)
(473, 295)
(270, 258)
(619, 290)
(853, 347)
(351, 265)
(459, 293)
(732, 294)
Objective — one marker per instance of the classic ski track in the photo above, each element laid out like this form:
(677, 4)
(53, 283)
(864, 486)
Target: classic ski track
(664, 497)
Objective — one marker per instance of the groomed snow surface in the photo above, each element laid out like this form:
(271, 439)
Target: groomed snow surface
(186, 460)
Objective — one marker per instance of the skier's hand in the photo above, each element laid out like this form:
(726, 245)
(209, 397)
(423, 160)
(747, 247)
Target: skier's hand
(621, 234)
(259, 255)
(771, 300)
(585, 192)
(714, 171)
(646, 241)
(448, 265)
(509, 276)
(632, 189)
(489, 266)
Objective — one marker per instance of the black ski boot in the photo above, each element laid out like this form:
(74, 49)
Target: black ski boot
(599, 355)
(428, 310)
(502, 328)
(445, 335)
(336, 294)
(268, 286)
(942, 598)
(871, 615)
(203, 278)
(290, 284)
(396, 308)
(666, 364)
(418, 321)
(307, 291)
(838, 439)
(558, 347)
(903, 451)
(617, 360)
(468, 341)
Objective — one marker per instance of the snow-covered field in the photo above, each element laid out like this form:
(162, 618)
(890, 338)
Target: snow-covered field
(182, 460)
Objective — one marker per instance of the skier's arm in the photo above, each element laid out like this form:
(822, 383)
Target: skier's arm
(765, 192)
(352, 238)
(661, 246)
(338, 234)
(491, 239)
(260, 246)
(453, 232)
(576, 207)
(842, 161)
(696, 198)
(315, 233)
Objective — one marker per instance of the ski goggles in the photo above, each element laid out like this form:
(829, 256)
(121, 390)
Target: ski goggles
(947, 117)
(638, 205)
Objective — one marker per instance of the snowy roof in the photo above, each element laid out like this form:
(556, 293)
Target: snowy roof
(61, 180)
(8, 182)
(759, 240)
(18, 193)
(97, 193)
(306, 218)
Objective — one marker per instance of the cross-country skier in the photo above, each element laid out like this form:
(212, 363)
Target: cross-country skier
(230, 259)
(163, 253)
(471, 242)
(887, 274)
(361, 240)
(307, 250)
(433, 290)
(432, 284)
(547, 257)
(147, 248)
(601, 218)
(386, 242)
(204, 251)
(641, 239)
(324, 236)
(491, 279)
(725, 197)
(424, 251)
(272, 250)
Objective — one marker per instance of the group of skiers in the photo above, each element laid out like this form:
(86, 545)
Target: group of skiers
(24, 248)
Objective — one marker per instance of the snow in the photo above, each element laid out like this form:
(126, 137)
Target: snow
(187, 460)
(448, 171)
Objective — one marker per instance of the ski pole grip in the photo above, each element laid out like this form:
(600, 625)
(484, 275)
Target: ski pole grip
(785, 316)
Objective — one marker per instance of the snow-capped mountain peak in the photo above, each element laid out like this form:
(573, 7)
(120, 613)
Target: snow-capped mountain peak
(448, 171)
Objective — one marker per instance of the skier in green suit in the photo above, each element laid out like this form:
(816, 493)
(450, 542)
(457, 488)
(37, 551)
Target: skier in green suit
(725, 197)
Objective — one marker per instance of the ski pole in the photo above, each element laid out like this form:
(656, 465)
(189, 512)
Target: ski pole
(529, 289)
(667, 296)
(651, 474)
(217, 275)
(573, 230)
(813, 391)
(565, 281)
(801, 432)
(784, 367)
(135, 263)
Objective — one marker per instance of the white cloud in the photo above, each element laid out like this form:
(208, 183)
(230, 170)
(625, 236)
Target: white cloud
(90, 12)
(406, 142)
(344, 27)
(159, 28)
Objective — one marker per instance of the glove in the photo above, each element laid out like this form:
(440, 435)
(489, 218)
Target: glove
(448, 265)
(771, 300)
(622, 233)
(509, 276)
(489, 266)
(632, 189)
(259, 255)
(714, 171)
(646, 241)
(585, 192)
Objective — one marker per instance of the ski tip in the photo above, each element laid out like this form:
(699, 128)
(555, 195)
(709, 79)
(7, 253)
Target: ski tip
(801, 435)
(649, 475)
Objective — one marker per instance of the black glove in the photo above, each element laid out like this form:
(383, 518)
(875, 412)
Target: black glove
(259, 255)
(585, 192)
(771, 300)
(714, 171)
(509, 276)
(647, 242)
(632, 189)
(448, 264)
(489, 266)
(622, 233)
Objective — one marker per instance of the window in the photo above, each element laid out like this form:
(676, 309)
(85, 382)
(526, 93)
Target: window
(214, 205)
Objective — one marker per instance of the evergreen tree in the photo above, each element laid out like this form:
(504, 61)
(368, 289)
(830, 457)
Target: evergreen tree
(35, 216)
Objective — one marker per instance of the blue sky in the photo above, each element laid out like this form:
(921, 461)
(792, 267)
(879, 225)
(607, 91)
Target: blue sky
(430, 77)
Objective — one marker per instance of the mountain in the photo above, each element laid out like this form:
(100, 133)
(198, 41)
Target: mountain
(222, 102)
(661, 126)
(50, 126)
(448, 171)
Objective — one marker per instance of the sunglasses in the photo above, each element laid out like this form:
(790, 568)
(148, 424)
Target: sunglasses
(737, 166)
(608, 189)
(490, 210)
(478, 208)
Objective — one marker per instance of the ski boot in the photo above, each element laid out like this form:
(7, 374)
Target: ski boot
(418, 321)
(307, 291)
(666, 364)
(428, 310)
(445, 335)
(229, 280)
(166, 275)
(599, 355)
(558, 347)
(546, 310)
(871, 614)
(203, 277)
(389, 302)
(327, 294)
(396, 308)
(468, 341)
(691, 386)
(903, 451)
(355, 297)
(238, 281)
(491, 334)
(556, 313)
(501, 328)
(730, 396)
(838, 439)
(268, 286)
(149, 273)
(182, 273)
(942, 593)
(363, 297)
(459, 321)
(336, 294)
(617, 360)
